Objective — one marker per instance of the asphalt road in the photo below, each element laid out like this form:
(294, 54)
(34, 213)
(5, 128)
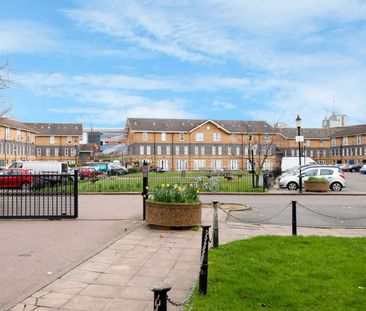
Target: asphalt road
(313, 210)
(34, 252)
(356, 182)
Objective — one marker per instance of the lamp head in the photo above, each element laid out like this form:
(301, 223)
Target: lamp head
(298, 121)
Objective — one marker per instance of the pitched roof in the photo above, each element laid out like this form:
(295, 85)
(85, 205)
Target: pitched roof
(12, 123)
(351, 130)
(57, 129)
(308, 133)
(187, 125)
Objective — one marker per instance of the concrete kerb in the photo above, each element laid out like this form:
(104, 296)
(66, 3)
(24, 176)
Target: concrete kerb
(96, 251)
(242, 193)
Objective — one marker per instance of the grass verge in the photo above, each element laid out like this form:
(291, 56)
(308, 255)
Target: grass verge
(286, 273)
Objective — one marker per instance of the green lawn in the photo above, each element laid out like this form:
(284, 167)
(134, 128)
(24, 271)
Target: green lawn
(287, 273)
(133, 182)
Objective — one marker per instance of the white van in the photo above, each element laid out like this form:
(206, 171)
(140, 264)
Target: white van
(41, 167)
(292, 162)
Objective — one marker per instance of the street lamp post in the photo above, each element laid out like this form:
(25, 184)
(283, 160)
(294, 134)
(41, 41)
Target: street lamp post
(298, 125)
(304, 153)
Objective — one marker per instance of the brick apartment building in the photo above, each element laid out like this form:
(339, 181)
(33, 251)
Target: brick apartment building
(177, 144)
(57, 141)
(17, 141)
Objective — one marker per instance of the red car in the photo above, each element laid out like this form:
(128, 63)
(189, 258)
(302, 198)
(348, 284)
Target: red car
(87, 172)
(16, 178)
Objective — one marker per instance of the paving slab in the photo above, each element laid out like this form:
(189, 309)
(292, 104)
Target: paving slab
(120, 276)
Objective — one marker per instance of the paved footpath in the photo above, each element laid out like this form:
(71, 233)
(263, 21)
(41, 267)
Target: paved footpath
(118, 278)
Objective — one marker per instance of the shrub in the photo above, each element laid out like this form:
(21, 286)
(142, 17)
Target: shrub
(166, 193)
(317, 180)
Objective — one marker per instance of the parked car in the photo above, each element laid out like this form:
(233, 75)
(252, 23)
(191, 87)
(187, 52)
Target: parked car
(87, 172)
(17, 178)
(354, 167)
(363, 169)
(333, 174)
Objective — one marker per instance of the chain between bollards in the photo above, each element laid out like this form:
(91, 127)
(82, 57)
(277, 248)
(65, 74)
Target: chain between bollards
(294, 218)
(215, 226)
(160, 290)
(204, 267)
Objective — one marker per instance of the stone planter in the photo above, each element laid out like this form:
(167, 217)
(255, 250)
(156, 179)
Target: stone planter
(316, 187)
(173, 214)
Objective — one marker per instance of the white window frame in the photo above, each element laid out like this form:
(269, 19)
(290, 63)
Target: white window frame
(213, 150)
(69, 140)
(186, 150)
(196, 150)
(148, 150)
(145, 136)
(345, 140)
(233, 138)
(358, 140)
(66, 152)
(52, 140)
(163, 136)
(181, 136)
(200, 136)
(228, 150)
(168, 150)
(39, 152)
(158, 150)
(216, 136)
(203, 150)
(18, 135)
(7, 133)
(56, 152)
(334, 142)
(237, 151)
(48, 152)
(142, 150)
(181, 165)
(219, 150)
(233, 165)
(177, 150)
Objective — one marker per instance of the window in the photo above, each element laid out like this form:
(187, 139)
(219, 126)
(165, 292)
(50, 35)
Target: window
(199, 136)
(308, 143)
(177, 150)
(196, 151)
(199, 164)
(142, 150)
(233, 138)
(237, 151)
(326, 172)
(213, 150)
(324, 153)
(358, 140)
(219, 150)
(66, 152)
(69, 140)
(345, 141)
(48, 152)
(145, 136)
(7, 133)
(148, 150)
(28, 137)
(228, 150)
(216, 164)
(182, 165)
(39, 152)
(167, 150)
(186, 150)
(52, 140)
(158, 150)
(19, 136)
(216, 136)
(334, 142)
(321, 143)
(181, 136)
(202, 150)
(313, 172)
(266, 138)
(233, 165)
(164, 164)
(163, 136)
(56, 152)
(246, 150)
(267, 165)
(73, 152)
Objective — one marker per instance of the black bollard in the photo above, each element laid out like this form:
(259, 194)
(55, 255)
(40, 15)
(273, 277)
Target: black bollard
(204, 267)
(294, 220)
(215, 226)
(160, 290)
(145, 182)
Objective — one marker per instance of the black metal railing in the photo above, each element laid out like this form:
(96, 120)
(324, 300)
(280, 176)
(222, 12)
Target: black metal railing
(38, 195)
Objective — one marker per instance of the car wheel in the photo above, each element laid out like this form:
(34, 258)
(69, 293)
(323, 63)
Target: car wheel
(336, 186)
(292, 186)
(25, 186)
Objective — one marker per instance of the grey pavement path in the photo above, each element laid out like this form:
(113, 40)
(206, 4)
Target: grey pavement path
(119, 277)
(35, 252)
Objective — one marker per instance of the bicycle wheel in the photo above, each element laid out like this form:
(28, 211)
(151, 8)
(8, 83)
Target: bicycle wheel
(213, 185)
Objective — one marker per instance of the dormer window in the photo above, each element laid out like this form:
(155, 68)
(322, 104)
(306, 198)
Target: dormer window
(163, 136)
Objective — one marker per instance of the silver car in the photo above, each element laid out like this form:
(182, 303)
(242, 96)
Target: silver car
(333, 174)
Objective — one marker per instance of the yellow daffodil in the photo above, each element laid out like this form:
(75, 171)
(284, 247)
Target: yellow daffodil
(167, 185)
(162, 186)
(175, 186)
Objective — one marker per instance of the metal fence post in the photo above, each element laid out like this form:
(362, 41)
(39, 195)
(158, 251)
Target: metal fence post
(204, 267)
(294, 220)
(76, 193)
(145, 182)
(215, 227)
(160, 290)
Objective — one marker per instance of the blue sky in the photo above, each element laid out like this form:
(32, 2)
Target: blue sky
(102, 61)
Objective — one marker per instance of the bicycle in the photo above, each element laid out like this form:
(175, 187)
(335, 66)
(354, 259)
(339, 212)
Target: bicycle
(211, 185)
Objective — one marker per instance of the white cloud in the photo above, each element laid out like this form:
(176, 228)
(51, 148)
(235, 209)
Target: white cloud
(22, 36)
(220, 105)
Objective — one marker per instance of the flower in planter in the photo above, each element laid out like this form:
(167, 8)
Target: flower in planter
(175, 194)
